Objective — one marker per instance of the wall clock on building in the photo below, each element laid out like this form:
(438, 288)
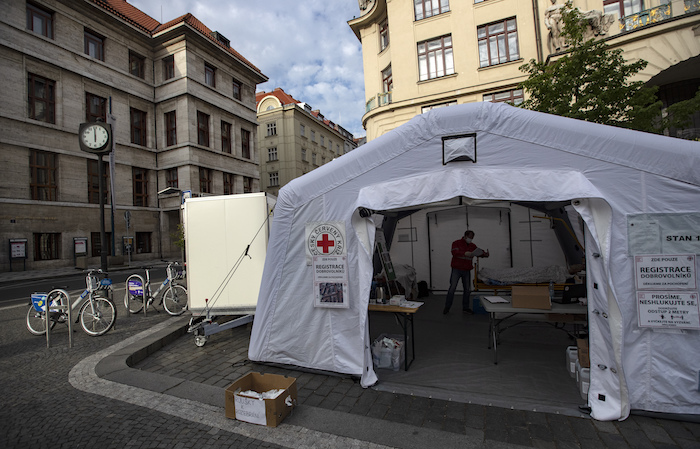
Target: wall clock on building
(95, 137)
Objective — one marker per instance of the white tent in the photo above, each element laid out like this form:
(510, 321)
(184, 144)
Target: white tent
(483, 151)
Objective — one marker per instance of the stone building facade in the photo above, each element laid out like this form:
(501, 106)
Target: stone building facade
(294, 139)
(182, 106)
(424, 54)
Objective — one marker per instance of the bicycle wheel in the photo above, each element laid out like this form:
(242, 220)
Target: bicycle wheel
(133, 296)
(175, 300)
(97, 316)
(36, 322)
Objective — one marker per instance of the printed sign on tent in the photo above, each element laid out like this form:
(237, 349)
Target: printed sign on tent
(325, 239)
(330, 282)
(677, 310)
(665, 271)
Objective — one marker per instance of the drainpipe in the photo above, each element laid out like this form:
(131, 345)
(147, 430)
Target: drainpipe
(155, 146)
(538, 34)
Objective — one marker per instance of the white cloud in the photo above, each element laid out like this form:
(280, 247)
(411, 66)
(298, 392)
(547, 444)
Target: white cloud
(306, 48)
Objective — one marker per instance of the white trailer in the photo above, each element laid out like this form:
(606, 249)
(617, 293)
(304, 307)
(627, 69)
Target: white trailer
(226, 241)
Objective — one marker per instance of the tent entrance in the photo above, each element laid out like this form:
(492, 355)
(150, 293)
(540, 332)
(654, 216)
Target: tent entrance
(453, 360)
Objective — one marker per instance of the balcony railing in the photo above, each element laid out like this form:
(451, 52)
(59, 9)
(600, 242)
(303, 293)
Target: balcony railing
(656, 15)
(381, 99)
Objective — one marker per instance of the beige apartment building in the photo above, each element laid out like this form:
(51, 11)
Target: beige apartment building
(182, 105)
(424, 54)
(294, 139)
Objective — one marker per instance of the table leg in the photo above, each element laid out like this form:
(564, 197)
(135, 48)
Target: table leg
(493, 337)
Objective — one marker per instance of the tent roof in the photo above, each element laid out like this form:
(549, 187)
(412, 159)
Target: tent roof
(659, 155)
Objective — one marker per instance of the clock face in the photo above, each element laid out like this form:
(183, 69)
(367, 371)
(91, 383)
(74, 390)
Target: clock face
(94, 137)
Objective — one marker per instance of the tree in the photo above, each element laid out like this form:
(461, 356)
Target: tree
(591, 82)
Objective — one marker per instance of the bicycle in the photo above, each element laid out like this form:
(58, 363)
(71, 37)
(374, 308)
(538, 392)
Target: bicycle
(138, 293)
(97, 313)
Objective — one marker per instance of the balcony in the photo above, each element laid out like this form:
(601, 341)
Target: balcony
(658, 14)
(381, 99)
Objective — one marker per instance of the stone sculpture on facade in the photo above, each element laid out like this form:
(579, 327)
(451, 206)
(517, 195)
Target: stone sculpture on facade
(596, 24)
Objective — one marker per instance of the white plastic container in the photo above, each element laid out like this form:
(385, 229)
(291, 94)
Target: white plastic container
(583, 379)
(571, 359)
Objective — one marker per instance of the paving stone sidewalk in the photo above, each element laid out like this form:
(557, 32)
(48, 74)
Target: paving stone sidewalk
(223, 359)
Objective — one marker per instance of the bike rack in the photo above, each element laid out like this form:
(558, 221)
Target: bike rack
(58, 308)
(136, 289)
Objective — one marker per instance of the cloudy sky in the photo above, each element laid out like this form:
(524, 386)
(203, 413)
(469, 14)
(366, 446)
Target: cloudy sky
(304, 47)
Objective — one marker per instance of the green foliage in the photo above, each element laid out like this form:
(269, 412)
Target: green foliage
(179, 236)
(591, 82)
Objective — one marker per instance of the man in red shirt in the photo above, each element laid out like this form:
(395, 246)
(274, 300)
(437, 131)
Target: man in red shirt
(463, 251)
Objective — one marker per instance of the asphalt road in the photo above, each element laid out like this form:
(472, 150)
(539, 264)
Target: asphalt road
(19, 292)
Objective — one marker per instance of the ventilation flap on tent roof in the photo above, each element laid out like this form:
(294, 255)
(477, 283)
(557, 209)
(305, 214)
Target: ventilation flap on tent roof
(459, 148)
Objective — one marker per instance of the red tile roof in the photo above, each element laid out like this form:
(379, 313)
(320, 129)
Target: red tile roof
(141, 20)
(281, 95)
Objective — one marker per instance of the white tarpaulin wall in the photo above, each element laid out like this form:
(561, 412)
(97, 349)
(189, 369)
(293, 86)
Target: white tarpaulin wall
(608, 173)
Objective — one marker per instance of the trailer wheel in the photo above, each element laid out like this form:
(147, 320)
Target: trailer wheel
(200, 340)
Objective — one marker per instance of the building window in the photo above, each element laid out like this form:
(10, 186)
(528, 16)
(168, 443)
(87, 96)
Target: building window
(41, 95)
(169, 67)
(425, 109)
(94, 182)
(429, 8)
(237, 87)
(272, 154)
(435, 58)
(313, 158)
(137, 65)
(323, 141)
(272, 129)
(498, 43)
(40, 20)
(47, 246)
(171, 178)
(202, 128)
(247, 185)
(303, 154)
(140, 178)
(313, 135)
(226, 137)
(96, 244)
(138, 127)
(143, 242)
(209, 75)
(302, 130)
(323, 160)
(43, 171)
(514, 97)
(95, 108)
(274, 179)
(204, 180)
(387, 85)
(245, 143)
(383, 34)
(228, 184)
(94, 45)
(623, 8)
(170, 128)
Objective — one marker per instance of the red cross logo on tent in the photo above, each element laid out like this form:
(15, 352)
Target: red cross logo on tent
(325, 239)
(325, 243)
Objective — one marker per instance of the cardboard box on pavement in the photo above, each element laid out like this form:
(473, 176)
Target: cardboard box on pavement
(531, 297)
(269, 412)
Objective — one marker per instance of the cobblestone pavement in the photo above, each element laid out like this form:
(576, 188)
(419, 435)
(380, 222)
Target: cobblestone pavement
(52, 397)
(224, 358)
(41, 409)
